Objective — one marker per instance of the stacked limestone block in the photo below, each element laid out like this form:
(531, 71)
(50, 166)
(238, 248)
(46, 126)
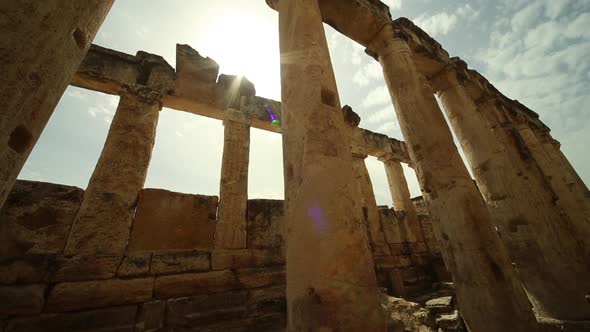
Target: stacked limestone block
(169, 276)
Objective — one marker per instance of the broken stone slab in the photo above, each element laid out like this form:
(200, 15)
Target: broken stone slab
(190, 65)
(440, 305)
(449, 322)
(403, 315)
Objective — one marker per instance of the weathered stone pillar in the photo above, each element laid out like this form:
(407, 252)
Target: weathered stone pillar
(42, 45)
(331, 283)
(552, 271)
(230, 229)
(400, 194)
(573, 204)
(488, 293)
(553, 149)
(366, 195)
(103, 221)
(369, 205)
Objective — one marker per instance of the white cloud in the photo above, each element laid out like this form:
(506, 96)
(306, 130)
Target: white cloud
(142, 32)
(439, 24)
(77, 93)
(541, 60)
(377, 97)
(368, 73)
(527, 16)
(393, 4)
(386, 114)
(442, 23)
(356, 55)
(103, 110)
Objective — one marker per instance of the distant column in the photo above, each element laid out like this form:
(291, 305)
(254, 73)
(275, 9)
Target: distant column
(574, 204)
(551, 270)
(42, 46)
(105, 216)
(400, 194)
(369, 205)
(362, 179)
(553, 149)
(481, 269)
(230, 229)
(331, 283)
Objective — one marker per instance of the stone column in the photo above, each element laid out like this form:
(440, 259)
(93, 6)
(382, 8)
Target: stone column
(552, 271)
(369, 205)
(402, 201)
(331, 283)
(42, 45)
(364, 186)
(566, 171)
(553, 149)
(572, 203)
(230, 230)
(482, 272)
(105, 216)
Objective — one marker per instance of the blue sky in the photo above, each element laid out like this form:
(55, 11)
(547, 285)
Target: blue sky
(536, 51)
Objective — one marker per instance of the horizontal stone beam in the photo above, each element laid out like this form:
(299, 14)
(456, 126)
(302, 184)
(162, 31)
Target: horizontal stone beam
(196, 87)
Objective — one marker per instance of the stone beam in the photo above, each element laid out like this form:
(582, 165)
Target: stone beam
(106, 70)
(471, 249)
(196, 88)
(347, 16)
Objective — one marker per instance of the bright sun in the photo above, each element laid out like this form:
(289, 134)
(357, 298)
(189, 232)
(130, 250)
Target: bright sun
(233, 40)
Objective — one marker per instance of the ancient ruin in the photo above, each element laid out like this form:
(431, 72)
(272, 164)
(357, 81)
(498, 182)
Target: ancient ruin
(509, 251)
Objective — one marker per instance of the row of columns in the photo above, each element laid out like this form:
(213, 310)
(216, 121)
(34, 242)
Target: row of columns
(487, 288)
(103, 222)
(539, 239)
(39, 66)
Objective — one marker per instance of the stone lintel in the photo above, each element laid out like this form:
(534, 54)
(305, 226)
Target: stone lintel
(374, 17)
(143, 93)
(449, 77)
(392, 157)
(347, 16)
(113, 72)
(190, 64)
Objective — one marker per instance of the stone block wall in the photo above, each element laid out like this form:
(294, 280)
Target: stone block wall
(170, 276)
(407, 270)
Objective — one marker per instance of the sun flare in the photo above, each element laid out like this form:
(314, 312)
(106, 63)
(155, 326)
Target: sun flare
(230, 40)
